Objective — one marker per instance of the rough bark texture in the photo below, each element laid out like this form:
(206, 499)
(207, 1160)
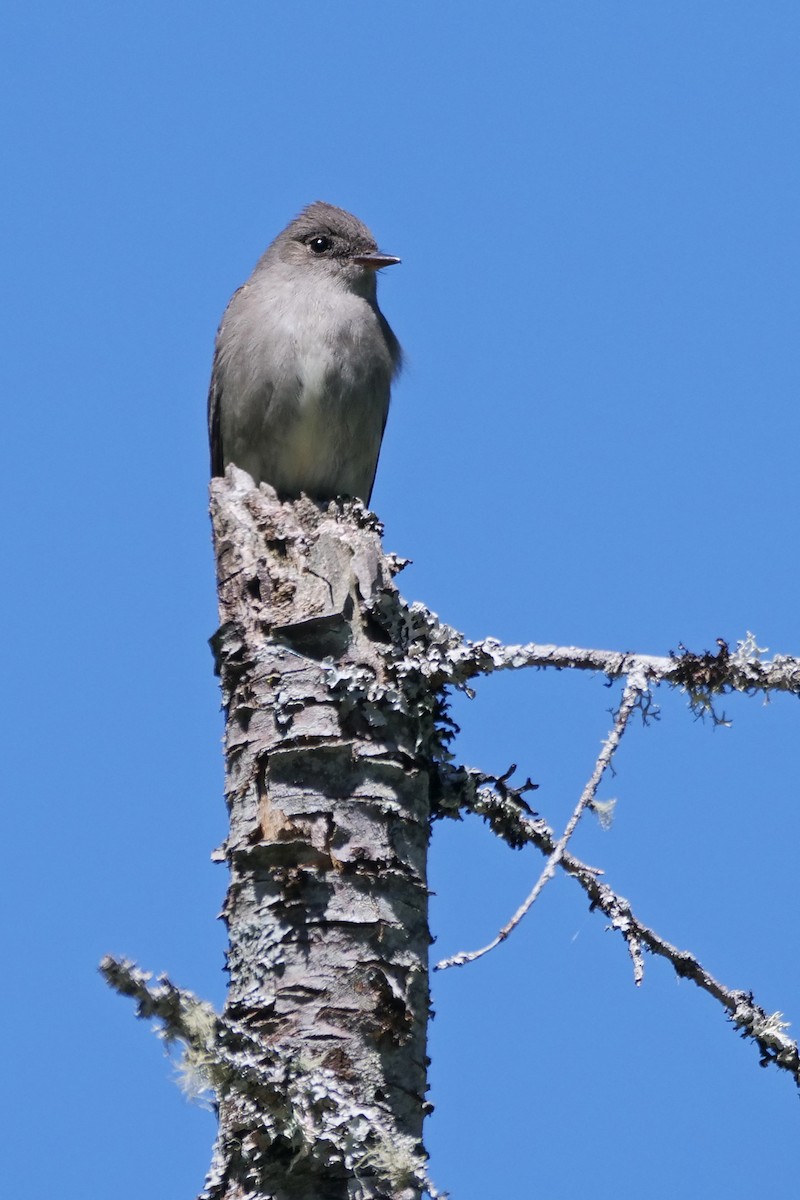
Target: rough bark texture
(328, 744)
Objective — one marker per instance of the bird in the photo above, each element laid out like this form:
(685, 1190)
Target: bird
(303, 363)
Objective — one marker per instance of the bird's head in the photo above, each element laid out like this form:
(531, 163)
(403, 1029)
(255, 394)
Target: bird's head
(333, 244)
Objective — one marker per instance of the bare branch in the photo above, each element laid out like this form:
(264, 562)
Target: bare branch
(508, 820)
(451, 658)
(185, 1017)
(635, 689)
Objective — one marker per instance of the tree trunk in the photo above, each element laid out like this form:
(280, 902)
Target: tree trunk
(328, 741)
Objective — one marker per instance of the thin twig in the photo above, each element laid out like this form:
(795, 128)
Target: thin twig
(635, 688)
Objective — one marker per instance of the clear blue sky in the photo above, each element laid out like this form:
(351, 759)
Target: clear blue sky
(595, 442)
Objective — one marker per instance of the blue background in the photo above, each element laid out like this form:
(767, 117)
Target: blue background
(595, 442)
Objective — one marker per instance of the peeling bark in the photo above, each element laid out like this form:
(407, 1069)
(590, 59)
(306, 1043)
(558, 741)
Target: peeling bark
(328, 744)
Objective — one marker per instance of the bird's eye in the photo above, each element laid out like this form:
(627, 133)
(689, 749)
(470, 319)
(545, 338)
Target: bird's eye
(320, 244)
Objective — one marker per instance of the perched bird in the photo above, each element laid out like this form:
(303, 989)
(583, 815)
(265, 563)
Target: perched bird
(303, 362)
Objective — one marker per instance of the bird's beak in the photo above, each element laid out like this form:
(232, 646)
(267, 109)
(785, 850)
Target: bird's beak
(375, 261)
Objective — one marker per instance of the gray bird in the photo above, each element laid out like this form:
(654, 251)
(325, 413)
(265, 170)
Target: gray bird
(303, 362)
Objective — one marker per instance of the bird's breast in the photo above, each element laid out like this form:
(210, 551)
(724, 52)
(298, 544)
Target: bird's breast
(313, 395)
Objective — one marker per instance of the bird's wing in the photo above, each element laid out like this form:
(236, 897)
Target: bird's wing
(215, 399)
(368, 496)
(214, 424)
(396, 352)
